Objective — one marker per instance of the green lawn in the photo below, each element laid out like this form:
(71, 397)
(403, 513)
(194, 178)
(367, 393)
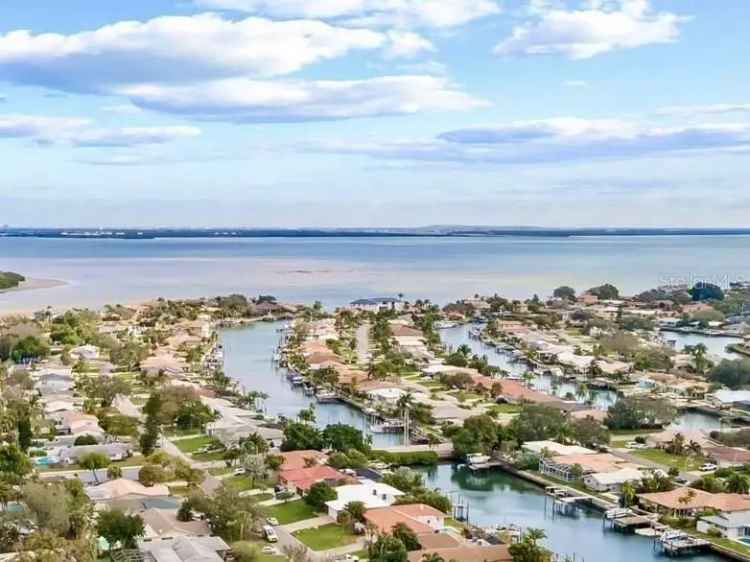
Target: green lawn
(290, 512)
(206, 457)
(686, 463)
(506, 408)
(325, 537)
(192, 444)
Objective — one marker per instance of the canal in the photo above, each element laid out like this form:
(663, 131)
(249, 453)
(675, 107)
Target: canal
(497, 498)
(248, 351)
(494, 497)
(716, 345)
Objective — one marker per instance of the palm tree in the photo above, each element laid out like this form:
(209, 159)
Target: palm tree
(254, 444)
(432, 557)
(628, 493)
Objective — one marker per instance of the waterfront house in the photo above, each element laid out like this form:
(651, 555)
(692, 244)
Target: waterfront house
(571, 467)
(733, 525)
(387, 395)
(611, 481)
(184, 549)
(553, 448)
(686, 502)
(665, 438)
(420, 518)
(371, 494)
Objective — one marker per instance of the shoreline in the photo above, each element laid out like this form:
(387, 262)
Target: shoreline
(32, 284)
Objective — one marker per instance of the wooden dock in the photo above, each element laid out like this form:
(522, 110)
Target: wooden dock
(677, 543)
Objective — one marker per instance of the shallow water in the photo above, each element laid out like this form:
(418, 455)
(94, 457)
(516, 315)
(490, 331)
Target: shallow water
(338, 270)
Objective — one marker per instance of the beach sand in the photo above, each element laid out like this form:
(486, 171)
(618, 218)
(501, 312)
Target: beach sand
(32, 284)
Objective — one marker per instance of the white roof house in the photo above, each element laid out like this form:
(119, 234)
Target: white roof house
(612, 481)
(89, 352)
(372, 494)
(186, 549)
(555, 449)
(390, 394)
(114, 489)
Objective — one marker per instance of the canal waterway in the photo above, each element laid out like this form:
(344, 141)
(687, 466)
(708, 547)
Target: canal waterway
(248, 353)
(495, 497)
(716, 345)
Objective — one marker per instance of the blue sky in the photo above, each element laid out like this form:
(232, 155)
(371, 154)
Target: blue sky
(374, 112)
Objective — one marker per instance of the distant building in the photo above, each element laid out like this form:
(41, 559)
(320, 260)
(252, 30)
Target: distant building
(377, 304)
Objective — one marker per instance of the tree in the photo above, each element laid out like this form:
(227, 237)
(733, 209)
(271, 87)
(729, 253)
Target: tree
(341, 437)
(301, 437)
(564, 292)
(732, 373)
(403, 532)
(93, 462)
(528, 548)
(638, 412)
(318, 494)
(119, 528)
(114, 472)
(27, 349)
(13, 462)
(151, 474)
(388, 549)
(85, 439)
(25, 433)
(627, 494)
(589, 432)
(537, 423)
(307, 415)
(737, 484)
(405, 479)
(356, 511)
(605, 292)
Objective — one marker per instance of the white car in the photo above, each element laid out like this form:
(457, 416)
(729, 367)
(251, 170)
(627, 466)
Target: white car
(238, 471)
(708, 467)
(635, 445)
(272, 521)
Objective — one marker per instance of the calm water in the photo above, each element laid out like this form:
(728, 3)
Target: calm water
(337, 270)
(247, 358)
(716, 345)
(496, 497)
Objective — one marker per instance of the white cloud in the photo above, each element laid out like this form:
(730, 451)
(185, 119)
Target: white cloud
(596, 27)
(174, 50)
(133, 136)
(555, 140)
(402, 13)
(244, 100)
(407, 45)
(714, 109)
(80, 132)
(121, 109)
(30, 126)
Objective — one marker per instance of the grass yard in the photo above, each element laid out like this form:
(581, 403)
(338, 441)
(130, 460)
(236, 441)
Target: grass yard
(325, 537)
(206, 457)
(192, 444)
(506, 408)
(242, 483)
(684, 464)
(290, 512)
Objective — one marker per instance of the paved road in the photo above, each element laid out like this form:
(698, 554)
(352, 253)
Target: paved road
(363, 343)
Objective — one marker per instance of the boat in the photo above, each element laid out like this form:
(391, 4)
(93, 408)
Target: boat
(387, 426)
(326, 397)
(477, 459)
(445, 324)
(297, 380)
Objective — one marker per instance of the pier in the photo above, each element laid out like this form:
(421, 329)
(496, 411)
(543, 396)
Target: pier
(676, 543)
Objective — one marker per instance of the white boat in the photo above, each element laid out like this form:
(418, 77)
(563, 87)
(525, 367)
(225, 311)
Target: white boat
(477, 459)
(325, 397)
(445, 324)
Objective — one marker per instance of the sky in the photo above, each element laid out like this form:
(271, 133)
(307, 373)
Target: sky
(368, 113)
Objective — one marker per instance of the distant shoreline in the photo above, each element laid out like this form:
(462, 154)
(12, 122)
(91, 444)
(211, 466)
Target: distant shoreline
(423, 232)
(34, 284)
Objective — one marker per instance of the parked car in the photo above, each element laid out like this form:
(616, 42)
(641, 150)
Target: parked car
(708, 467)
(635, 445)
(272, 521)
(270, 534)
(238, 471)
(680, 479)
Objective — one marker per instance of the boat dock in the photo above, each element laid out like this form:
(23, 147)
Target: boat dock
(676, 543)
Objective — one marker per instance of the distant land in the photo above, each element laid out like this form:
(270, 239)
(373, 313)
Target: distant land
(426, 231)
